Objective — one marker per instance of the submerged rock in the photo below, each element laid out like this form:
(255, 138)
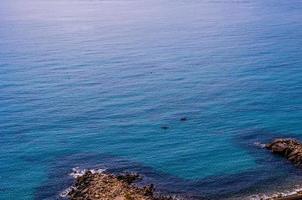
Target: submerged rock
(183, 119)
(103, 186)
(289, 148)
(164, 127)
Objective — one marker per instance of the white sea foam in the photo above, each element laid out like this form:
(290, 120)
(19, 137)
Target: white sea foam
(78, 172)
(259, 144)
(296, 190)
(65, 193)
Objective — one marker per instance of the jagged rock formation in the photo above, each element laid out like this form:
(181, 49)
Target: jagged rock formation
(289, 148)
(292, 150)
(103, 186)
(296, 196)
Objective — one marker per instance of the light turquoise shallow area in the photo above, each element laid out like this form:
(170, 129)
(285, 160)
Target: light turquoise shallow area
(102, 77)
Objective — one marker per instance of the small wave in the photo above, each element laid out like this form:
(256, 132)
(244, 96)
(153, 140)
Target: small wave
(78, 172)
(259, 144)
(296, 190)
(65, 193)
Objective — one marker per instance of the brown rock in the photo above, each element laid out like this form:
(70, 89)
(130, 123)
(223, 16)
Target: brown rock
(279, 147)
(289, 148)
(102, 186)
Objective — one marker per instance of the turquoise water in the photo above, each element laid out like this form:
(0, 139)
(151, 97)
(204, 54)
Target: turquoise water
(90, 83)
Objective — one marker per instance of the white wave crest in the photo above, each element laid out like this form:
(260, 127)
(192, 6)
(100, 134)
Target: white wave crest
(78, 172)
(65, 193)
(259, 144)
(297, 190)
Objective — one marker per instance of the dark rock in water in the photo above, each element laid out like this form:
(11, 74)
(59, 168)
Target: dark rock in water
(164, 127)
(183, 119)
(103, 186)
(149, 190)
(289, 148)
(128, 177)
(292, 150)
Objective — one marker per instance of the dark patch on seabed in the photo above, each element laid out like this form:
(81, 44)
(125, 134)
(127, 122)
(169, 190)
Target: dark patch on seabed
(270, 172)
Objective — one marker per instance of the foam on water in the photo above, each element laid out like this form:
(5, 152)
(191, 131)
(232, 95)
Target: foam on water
(259, 144)
(65, 193)
(77, 172)
(295, 190)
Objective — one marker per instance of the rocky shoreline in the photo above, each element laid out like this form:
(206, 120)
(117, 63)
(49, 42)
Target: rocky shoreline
(288, 148)
(291, 149)
(100, 185)
(105, 186)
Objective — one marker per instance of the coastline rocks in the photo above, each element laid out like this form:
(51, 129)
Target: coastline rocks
(128, 177)
(295, 196)
(289, 148)
(103, 186)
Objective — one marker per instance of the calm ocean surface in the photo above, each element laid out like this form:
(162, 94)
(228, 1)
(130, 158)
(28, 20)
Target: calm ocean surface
(89, 83)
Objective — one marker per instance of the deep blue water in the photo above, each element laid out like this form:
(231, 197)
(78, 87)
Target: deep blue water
(90, 83)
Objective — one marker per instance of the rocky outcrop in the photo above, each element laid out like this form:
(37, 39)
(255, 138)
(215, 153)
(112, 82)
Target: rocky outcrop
(294, 196)
(289, 148)
(289, 197)
(103, 186)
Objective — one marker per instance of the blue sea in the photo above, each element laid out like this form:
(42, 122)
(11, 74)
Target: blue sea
(104, 84)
